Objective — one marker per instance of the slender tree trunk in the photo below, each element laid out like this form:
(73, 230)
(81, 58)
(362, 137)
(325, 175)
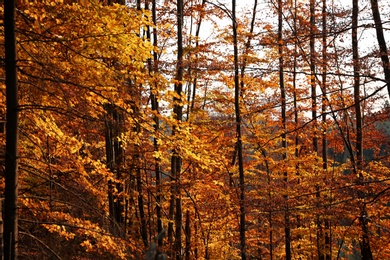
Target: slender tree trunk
(356, 87)
(1, 230)
(296, 118)
(194, 78)
(237, 94)
(324, 85)
(287, 228)
(138, 161)
(296, 112)
(327, 246)
(141, 206)
(313, 74)
(11, 150)
(153, 68)
(188, 236)
(365, 242)
(110, 165)
(320, 235)
(382, 42)
(270, 212)
(114, 158)
(175, 210)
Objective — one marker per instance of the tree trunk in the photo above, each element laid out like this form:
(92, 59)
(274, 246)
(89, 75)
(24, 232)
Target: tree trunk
(327, 246)
(138, 162)
(287, 228)
(365, 242)
(313, 74)
(192, 94)
(382, 42)
(237, 94)
(11, 151)
(320, 232)
(188, 236)
(296, 111)
(114, 158)
(175, 210)
(153, 68)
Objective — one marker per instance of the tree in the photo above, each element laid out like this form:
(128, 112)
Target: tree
(11, 232)
(62, 164)
(327, 243)
(212, 134)
(365, 241)
(287, 229)
(381, 41)
(237, 108)
(175, 210)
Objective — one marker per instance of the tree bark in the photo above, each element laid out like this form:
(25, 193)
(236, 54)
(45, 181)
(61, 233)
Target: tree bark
(188, 236)
(194, 78)
(114, 160)
(175, 210)
(365, 242)
(327, 247)
(11, 151)
(287, 228)
(237, 94)
(153, 68)
(382, 42)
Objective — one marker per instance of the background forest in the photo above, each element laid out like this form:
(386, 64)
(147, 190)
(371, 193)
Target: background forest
(250, 130)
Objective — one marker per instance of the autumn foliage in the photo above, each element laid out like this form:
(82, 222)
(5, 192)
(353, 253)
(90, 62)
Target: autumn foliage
(100, 136)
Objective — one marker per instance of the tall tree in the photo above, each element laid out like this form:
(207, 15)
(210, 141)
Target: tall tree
(313, 31)
(287, 228)
(381, 41)
(237, 95)
(10, 237)
(153, 69)
(176, 160)
(358, 165)
(327, 231)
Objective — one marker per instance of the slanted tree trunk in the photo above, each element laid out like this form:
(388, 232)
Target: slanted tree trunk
(11, 150)
(382, 42)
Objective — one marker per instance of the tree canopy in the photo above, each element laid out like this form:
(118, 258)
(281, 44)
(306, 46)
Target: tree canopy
(196, 129)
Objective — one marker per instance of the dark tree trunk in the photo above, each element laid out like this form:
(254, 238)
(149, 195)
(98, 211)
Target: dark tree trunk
(287, 228)
(175, 210)
(11, 151)
(138, 161)
(114, 158)
(237, 94)
(153, 69)
(327, 227)
(356, 87)
(313, 74)
(365, 241)
(320, 232)
(382, 42)
(193, 74)
(238, 115)
(188, 236)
